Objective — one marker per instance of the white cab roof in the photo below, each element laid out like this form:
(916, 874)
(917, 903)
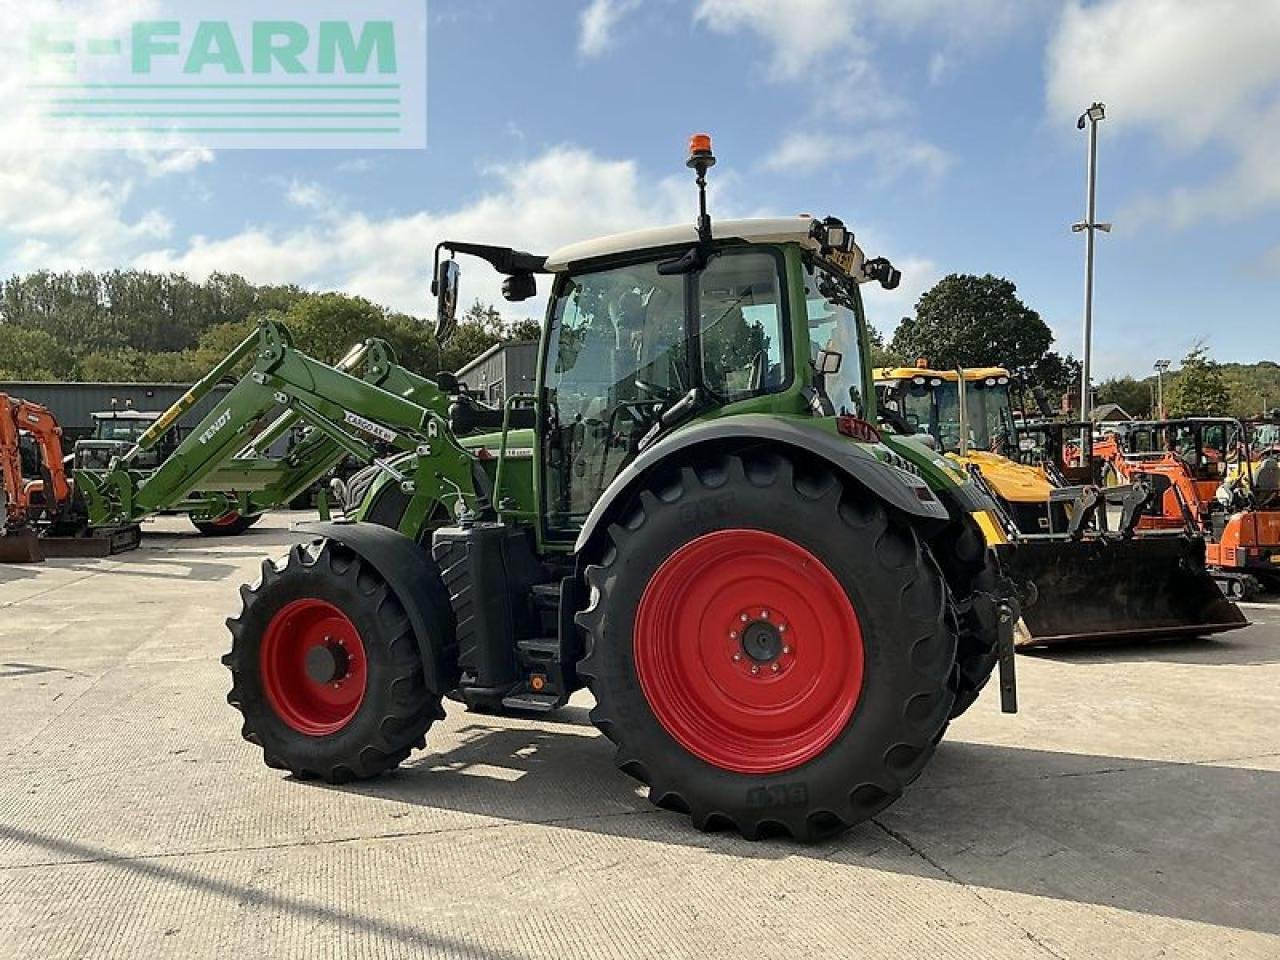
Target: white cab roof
(772, 230)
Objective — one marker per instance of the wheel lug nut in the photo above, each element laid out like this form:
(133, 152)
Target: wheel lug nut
(743, 618)
(774, 668)
(755, 669)
(782, 628)
(733, 634)
(764, 614)
(786, 649)
(737, 658)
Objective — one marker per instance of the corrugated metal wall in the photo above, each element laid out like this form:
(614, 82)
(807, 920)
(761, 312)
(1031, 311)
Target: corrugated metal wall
(512, 368)
(74, 403)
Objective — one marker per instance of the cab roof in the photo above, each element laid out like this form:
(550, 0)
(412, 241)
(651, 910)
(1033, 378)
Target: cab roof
(125, 414)
(765, 230)
(971, 374)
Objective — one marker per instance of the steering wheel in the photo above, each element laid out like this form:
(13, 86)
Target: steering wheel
(656, 391)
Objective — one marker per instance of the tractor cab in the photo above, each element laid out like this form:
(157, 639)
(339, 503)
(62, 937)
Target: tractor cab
(650, 331)
(115, 432)
(928, 402)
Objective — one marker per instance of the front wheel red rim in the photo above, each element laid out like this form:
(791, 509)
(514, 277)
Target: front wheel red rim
(313, 665)
(748, 651)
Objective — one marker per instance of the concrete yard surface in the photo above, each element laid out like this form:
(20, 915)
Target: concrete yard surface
(1131, 810)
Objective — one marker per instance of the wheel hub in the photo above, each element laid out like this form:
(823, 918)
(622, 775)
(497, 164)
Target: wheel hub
(328, 662)
(761, 642)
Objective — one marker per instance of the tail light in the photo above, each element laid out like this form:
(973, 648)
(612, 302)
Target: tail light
(858, 429)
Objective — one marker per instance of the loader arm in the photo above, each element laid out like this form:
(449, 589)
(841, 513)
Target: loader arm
(218, 468)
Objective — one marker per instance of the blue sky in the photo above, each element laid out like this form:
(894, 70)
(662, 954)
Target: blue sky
(942, 132)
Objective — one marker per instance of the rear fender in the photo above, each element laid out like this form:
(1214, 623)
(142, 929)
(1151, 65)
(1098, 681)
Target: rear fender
(412, 574)
(899, 489)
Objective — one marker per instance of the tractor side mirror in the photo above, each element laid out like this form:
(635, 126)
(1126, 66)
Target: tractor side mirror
(828, 362)
(446, 290)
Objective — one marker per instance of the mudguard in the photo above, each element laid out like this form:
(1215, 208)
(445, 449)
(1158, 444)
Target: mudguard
(898, 488)
(413, 575)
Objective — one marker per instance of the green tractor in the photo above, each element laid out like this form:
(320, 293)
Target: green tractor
(777, 610)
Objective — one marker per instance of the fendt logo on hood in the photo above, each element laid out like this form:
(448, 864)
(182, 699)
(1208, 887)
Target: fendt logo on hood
(218, 424)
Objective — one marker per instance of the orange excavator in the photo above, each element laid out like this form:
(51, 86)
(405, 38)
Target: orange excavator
(26, 500)
(1215, 487)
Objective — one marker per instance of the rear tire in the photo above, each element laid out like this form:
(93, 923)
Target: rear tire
(326, 609)
(687, 717)
(230, 524)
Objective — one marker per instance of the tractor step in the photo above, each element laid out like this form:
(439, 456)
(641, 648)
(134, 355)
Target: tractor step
(532, 702)
(546, 596)
(537, 652)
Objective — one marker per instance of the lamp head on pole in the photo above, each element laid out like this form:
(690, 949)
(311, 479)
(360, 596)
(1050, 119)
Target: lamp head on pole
(1097, 111)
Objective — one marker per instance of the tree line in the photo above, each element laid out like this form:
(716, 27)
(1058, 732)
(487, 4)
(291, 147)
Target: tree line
(139, 326)
(972, 321)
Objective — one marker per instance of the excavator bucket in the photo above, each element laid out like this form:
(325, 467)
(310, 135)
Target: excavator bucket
(20, 545)
(1116, 589)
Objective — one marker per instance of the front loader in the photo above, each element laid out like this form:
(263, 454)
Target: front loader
(1080, 579)
(221, 475)
(693, 516)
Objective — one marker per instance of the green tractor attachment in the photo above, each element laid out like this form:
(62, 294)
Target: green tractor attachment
(693, 517)
(220, 474)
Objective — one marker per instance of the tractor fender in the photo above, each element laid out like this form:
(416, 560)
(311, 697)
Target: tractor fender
(897, 488)
(412, 574)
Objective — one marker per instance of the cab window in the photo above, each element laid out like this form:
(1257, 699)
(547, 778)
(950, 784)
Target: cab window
(617, 358)
(740, 317)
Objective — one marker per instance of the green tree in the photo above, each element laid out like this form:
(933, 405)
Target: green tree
(881, 355)
(32, 355)
(123, 365)
(1134, 396)
(1057, 375)
(1200, 387)
(972, 321)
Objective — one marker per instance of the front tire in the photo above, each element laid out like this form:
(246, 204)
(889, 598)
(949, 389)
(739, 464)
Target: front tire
(325, 667)
(230, 524)
(688, 689)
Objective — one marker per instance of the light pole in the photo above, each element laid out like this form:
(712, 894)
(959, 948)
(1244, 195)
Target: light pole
(1088, 226)
(1162, 367)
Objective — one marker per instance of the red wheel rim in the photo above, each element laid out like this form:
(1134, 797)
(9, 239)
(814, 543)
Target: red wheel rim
(226, 520)
(313, 666)
(748, 651)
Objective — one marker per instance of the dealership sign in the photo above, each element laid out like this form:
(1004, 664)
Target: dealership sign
(231, 74)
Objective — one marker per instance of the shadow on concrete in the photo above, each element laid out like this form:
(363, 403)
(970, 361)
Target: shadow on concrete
(130, 565)
(415, 942)
(13, 572)
(1190, 841)
(1248, 647)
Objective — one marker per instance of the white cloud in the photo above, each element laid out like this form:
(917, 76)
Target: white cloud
(308, 195)
(64, 206)
(1197, 75)
(598, 22)
(163, 163)
(890, 154)
(857, 115)
(565, 194)
(799, 32)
